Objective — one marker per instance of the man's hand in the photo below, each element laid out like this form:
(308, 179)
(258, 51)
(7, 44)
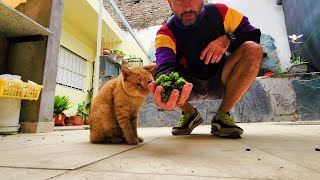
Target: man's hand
(173, 101)
(215, 50)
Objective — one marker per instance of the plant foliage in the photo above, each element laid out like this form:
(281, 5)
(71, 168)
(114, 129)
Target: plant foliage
(169, 83)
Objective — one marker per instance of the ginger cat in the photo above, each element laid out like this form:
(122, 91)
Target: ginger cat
(114, 111)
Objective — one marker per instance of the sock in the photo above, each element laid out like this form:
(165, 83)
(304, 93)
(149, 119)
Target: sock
(223, 112)
(191, 113)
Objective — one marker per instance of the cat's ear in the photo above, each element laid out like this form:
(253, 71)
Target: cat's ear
(151, 68)
(125, 71)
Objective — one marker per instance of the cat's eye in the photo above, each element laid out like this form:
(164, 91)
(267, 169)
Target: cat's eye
(149, 82)
(138, 84)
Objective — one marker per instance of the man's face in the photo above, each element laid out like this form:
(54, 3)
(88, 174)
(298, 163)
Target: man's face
(186, 10)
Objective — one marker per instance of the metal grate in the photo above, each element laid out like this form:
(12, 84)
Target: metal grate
(71, 69)
(134, 61)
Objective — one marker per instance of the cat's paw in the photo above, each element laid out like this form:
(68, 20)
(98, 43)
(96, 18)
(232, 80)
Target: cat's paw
(140, 139)
(133, 141)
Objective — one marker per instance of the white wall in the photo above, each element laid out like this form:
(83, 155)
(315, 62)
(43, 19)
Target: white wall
(269, 18)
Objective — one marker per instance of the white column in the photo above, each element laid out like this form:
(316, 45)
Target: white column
(97, 61)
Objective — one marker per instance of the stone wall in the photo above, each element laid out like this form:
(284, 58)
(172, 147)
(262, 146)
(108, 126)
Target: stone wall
(140, 13)
(269, 99)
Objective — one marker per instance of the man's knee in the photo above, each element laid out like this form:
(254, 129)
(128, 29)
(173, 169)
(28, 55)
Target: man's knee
(253, 51)
(252, 48)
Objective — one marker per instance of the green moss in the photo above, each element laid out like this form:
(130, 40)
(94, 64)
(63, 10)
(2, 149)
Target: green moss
(169, 83)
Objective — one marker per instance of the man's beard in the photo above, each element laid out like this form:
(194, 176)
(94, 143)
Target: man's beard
(189, 22)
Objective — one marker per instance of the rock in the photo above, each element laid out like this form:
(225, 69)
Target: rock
(308, 98)
(270, 60)
(254, 106)
(282, 95)
(269, 99)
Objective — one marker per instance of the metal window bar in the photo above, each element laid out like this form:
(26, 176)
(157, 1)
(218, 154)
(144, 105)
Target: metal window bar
(134, 62)
(71, 70)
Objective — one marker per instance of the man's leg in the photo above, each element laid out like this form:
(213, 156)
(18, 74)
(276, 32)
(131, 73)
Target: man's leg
(239, 72)
(187, 108)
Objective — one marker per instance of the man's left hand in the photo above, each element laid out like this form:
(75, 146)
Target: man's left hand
(215, 50)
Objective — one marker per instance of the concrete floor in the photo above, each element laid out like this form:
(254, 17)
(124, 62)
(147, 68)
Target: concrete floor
(277, 151)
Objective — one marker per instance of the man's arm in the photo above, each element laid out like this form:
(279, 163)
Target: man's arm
(165, 64)
(165, 44)
(237, 23)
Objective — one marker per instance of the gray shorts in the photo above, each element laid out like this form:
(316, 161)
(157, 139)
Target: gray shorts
(208, 89)
(205, 89)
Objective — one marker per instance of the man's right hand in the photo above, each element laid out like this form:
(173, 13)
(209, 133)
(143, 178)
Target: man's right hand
(173, 101)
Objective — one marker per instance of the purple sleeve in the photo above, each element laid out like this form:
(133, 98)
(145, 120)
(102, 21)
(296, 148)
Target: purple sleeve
(165, 61)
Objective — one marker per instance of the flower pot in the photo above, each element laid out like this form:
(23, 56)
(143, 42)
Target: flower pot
(9, 115)
(59, 120)
(113, 56)
(78, 121)
(298, 68)
(87, 122)
(69, 121)
(119, 60)
(106, 51)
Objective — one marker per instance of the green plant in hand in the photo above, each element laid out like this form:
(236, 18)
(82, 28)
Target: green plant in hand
(169, 83)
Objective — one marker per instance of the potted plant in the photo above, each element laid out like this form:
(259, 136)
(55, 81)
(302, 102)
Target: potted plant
(299, 64)
(112, 55)
(81, 114)
(69, 121)
(88, 105)
(120, 54)
(106, 51)
(61, 103)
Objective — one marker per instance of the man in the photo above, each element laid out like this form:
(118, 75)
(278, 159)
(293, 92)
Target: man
(194, 42)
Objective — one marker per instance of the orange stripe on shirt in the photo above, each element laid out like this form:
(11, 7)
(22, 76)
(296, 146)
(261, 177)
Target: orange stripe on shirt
(232, 20)
(165, 41)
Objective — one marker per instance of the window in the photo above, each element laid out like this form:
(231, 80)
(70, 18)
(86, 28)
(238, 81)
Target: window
(71, 70)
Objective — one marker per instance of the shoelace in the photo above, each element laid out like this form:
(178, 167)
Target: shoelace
(224, 117)
(183, 119)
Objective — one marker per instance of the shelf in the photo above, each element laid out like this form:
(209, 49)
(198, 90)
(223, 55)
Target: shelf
(15, 24)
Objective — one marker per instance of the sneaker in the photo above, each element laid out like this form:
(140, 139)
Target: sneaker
(187, 123)
(223, 125)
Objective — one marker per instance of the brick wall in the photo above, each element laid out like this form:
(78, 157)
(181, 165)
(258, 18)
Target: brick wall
(141, 13)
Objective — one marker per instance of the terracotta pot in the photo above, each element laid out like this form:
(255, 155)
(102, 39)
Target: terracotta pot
(59, 120)
(106, 51)
(87, 122)
(78, 121)
(69, 121)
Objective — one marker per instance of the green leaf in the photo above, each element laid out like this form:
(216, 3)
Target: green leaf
(169, 83)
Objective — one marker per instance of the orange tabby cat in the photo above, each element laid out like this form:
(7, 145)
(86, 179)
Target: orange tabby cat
(114, 112)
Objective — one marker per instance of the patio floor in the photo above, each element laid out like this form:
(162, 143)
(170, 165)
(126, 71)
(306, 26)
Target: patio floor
(277, 150)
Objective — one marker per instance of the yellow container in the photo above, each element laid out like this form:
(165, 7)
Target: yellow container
(20, 90)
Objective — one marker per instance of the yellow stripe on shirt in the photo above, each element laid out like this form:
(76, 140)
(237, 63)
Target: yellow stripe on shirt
(232, 20)
(165, 41)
